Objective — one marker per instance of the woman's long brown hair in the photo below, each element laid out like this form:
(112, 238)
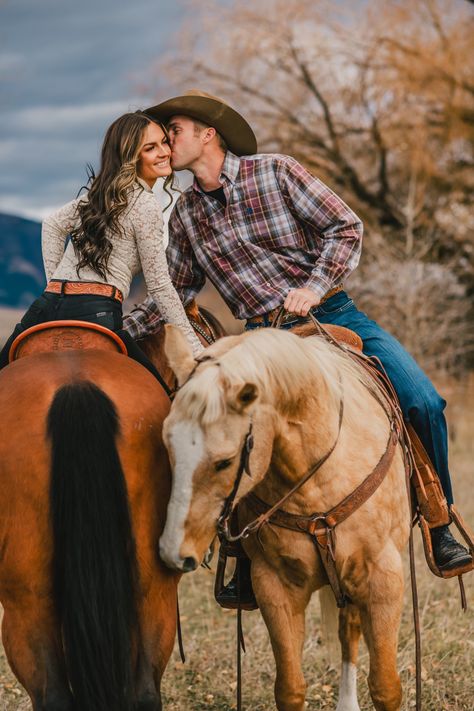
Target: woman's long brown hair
(109, 192)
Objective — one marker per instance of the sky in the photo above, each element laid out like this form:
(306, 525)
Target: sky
(67, 70)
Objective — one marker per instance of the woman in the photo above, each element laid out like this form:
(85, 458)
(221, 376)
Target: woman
(116, 230)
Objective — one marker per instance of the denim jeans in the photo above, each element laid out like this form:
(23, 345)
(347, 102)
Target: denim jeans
(102, 310)
(422, 406)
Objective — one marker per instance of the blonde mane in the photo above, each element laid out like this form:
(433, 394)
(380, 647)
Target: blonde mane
(285, 368)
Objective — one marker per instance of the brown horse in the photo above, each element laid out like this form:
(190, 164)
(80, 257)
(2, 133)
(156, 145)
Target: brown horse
(89, 608)
(291, 391)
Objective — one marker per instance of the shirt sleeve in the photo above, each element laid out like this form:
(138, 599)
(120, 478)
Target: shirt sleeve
(334, 223)
(148, 227)
(54, 231)
(185, 273)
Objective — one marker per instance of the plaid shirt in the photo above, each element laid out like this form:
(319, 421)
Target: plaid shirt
(281, 229)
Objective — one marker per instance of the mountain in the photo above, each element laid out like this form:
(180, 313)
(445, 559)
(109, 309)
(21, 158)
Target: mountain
(22, 277)
(21, 266)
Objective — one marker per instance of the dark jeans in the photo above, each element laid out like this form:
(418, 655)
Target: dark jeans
(82, 307)
(420, 403)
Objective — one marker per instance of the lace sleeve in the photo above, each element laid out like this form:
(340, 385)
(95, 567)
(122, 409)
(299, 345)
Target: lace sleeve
(54, 231)
(148, 226)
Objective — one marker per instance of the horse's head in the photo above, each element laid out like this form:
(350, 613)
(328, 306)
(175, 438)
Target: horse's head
(205, 432)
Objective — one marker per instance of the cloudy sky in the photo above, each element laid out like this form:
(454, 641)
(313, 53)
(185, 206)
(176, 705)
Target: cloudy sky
(67, 69)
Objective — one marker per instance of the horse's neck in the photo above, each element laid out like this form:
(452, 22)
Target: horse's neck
(153, 345)
(300, 443)
(154, 348)
(300, 436)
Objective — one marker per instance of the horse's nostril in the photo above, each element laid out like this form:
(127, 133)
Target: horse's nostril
(189, 564)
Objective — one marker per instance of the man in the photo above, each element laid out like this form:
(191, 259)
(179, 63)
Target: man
(266, 232)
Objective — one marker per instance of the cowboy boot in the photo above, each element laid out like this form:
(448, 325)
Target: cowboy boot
(238, 592)
(447, 552)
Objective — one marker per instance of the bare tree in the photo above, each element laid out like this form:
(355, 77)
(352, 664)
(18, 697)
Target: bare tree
(375, 98)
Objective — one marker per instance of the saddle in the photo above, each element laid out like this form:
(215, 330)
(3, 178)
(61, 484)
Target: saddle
(65, 336)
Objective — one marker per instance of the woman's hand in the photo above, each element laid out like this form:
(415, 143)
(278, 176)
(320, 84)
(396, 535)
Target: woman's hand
(300, 301)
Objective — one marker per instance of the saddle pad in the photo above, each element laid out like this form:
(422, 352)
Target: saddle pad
(339, 333)
(63, 336)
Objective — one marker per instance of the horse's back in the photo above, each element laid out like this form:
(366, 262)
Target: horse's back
(27, 390)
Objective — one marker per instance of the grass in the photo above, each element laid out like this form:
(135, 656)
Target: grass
(208, 679)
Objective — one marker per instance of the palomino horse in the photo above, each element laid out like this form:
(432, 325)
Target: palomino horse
(89, 608)
(291, 392)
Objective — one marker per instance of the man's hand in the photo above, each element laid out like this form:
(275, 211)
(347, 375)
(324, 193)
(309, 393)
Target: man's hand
(300, 301)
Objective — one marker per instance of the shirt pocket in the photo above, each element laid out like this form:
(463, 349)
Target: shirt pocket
(271, 229)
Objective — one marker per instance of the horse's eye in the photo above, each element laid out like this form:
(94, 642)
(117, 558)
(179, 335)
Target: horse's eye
(223, 464)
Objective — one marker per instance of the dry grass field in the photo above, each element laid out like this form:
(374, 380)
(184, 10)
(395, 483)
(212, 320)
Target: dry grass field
(207, 680)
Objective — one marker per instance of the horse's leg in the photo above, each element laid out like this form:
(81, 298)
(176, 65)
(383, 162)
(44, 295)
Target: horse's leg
(380, 617)
(30, 639)
(349, 636)
(148, 694)
(283, 609)
(158, 627)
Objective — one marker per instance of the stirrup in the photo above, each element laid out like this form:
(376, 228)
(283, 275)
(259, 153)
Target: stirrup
(465, 532)
(229, 550)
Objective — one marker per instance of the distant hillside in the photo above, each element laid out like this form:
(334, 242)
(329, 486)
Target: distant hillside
(21, 266)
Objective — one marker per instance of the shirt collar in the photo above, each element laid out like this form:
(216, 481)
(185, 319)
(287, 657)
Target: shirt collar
(231, 166)
(230, 170)
(144, 185)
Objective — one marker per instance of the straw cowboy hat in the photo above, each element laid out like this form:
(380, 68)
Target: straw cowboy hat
(209, 109)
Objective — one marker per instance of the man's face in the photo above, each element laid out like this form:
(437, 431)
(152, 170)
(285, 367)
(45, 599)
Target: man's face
(185, 142)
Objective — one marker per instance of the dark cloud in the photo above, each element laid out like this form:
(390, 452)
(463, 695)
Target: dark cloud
(67, 69)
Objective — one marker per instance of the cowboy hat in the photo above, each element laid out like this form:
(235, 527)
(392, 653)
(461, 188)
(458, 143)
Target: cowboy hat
(213, 111)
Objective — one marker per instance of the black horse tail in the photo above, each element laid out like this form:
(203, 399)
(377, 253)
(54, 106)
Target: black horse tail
(95, 573)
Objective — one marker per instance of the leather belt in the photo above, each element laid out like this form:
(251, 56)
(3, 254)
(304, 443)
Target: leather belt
(270, 315)
(84, 287)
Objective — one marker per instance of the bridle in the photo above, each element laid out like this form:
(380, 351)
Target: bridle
(223, 522)
(223, 527)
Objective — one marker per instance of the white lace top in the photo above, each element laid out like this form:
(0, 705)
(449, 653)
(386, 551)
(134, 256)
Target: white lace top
(139, 248)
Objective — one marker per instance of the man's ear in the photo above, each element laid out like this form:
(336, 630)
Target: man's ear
(244, 397)
(178, 352)
(208, 134)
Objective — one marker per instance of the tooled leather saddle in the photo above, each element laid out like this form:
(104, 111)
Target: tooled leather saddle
(63, 336)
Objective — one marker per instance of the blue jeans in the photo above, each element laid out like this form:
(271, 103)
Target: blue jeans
(422, 406)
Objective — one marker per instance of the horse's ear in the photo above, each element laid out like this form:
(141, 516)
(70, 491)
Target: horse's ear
(245, 396)
(178, 352)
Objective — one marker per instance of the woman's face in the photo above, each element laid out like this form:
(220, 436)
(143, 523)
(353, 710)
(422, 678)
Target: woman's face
(154, 156)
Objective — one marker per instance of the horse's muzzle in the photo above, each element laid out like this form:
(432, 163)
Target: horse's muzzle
(189, 564)
(173, 560)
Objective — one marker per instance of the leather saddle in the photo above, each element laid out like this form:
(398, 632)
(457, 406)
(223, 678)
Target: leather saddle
(341, 334)
(65, 336)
